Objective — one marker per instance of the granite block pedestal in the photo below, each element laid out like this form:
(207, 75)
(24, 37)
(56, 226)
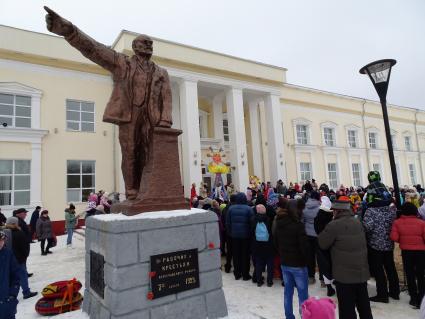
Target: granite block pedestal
(123, 246)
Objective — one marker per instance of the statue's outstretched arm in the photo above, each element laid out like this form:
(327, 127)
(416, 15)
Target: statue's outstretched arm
(90, 48)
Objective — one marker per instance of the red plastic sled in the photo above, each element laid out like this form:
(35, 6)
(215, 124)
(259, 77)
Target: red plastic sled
(58, 289)
(50, 307)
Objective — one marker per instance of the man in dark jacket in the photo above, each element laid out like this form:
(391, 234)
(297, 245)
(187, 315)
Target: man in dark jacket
(21, 250)
(33, 222)
(21, 213)
(238, 222)
(9, 281)
(346, 239)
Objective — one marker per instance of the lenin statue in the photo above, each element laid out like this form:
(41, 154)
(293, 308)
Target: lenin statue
(140, 104)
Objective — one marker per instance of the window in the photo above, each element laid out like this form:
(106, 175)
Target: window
(302, 137)
(203, 124)
(412, 173)
(373, 140)
(305, 171)
(80, 176)
(226, 129)
(356, 174)
(333, 176)
(79, 116)
(15, 110)
(407, 143)
(329, 135)
(352, 138)
(393, 141)
(377, 167)
(15, 176)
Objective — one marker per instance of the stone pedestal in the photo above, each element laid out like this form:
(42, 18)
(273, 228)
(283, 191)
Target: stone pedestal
(126, 244)
(161, 187)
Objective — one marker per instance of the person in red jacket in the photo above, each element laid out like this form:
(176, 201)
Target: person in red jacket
(409, 232)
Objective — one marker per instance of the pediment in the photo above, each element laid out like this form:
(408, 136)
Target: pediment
(19, 88)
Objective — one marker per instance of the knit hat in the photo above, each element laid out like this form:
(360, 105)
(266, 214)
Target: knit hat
(374, 176)
(282, 203)
(409, 209)
(19, 211)
(342, 203)
(318, 308)
(12, 221)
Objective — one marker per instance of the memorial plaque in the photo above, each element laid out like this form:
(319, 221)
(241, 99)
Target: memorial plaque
(174, 272)
(97, 279)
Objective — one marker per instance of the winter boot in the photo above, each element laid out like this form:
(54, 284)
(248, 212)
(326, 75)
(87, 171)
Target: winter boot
(331, 290)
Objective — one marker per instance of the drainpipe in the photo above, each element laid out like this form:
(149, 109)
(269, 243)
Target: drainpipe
(417, 147)
(365, 137)
(114, 159)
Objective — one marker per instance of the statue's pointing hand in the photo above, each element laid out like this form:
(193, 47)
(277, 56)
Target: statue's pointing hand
(57, 24)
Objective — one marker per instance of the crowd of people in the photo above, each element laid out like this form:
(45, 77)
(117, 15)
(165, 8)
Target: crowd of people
(299, 233)
(343, 236)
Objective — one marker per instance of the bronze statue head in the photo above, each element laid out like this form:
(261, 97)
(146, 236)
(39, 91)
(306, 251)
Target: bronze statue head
(142, 46)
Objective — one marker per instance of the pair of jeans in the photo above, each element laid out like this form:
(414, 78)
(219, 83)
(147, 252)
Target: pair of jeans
(294, 277)
(414, 266)
(70, 232)
(384, 268)
(350, 297)
(23, 278)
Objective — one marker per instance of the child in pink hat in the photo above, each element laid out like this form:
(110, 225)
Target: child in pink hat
(318, 308)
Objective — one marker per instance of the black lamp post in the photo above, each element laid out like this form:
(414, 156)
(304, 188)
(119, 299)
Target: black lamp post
(379, 73)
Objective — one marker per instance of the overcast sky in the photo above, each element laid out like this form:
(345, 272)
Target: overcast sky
(322, 43)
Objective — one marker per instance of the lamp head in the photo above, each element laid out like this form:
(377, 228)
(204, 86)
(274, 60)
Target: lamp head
(379, 73)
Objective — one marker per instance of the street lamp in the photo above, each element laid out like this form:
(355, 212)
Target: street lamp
(379, 73)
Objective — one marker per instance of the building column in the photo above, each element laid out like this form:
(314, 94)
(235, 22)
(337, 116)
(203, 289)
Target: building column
(191, 142)
(35, 179)
(235, 116)
(255, 139)
(274, 138)
(218, 118)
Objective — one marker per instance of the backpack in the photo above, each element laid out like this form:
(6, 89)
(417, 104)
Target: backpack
(261, 232)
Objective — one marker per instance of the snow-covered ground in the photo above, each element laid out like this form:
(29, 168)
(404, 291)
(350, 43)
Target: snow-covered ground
(244, 299)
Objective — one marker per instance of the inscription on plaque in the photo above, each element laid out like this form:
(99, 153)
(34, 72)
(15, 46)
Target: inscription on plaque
(97, 279)
(174, 272)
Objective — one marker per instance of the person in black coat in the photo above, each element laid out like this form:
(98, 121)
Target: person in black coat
(21, 250)
(238, 222)
(324, 217)
(21, 214)
(33, 222)
(262, 245)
